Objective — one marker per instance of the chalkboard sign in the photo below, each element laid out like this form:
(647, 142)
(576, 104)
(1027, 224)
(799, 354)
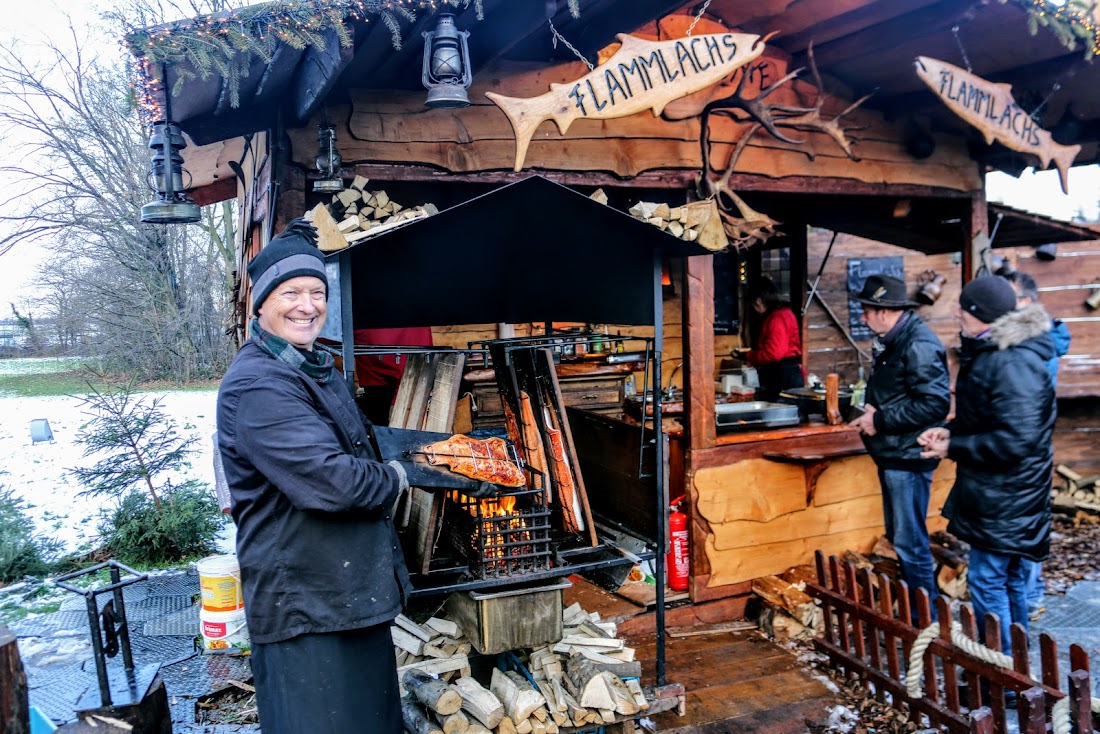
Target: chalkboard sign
(858, 270)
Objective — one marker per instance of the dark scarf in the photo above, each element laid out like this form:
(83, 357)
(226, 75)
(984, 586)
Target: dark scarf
(316, 363)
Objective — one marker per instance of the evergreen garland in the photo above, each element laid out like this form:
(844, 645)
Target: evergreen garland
(225, 42)
(1072, 22)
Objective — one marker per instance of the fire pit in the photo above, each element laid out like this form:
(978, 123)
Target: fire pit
(503, 537)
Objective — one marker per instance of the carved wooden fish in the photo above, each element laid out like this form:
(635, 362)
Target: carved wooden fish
(991, 108)
(640, 75)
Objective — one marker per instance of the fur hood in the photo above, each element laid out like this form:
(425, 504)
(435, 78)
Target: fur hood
(1017, 327)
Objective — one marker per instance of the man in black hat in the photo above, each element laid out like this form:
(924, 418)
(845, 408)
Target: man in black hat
(321, 569)
(1001, 442)
(908, 392)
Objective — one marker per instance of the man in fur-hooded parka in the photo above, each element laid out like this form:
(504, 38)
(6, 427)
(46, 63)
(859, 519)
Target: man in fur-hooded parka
(1001, 441)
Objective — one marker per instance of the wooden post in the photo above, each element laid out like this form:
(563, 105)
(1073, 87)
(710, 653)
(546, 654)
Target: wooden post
(14, 704)
(698, 345)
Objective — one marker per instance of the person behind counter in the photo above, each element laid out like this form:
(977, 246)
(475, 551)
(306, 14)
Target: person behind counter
(1001, 442)
(778, 354)
(909, 391)
(321, 569)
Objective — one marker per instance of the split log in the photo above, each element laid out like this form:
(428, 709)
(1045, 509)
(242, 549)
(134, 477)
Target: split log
(506, 726)
(432, 692)
(599, 689)
(788, 597)
(456, 723)
(479, 703)
(412, 628)
(445, 627)
(405, 641)
(519, 698)
(416, 719)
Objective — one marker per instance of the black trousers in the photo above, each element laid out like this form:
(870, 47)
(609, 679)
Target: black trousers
(334, 683)
(776, 377)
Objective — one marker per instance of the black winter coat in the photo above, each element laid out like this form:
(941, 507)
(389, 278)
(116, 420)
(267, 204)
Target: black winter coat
(315, 541)
(1001, 438)
(910, 389)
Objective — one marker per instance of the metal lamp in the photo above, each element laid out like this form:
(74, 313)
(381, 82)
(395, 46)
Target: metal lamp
(167, 178)
(446, 70)
(328, 161)
(1046, 252)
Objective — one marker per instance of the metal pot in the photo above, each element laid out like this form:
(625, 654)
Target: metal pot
(811, 401)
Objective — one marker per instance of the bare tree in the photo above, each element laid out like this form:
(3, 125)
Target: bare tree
(154, 296)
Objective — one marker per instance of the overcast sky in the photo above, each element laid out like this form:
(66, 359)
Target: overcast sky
(32, 20)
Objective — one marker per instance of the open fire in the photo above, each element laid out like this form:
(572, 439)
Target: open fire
(502, 537)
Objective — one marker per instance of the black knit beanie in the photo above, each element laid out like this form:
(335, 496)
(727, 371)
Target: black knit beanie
(988, 298)
(290, 254)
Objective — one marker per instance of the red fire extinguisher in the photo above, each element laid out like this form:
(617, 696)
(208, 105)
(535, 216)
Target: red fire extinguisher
(679, 560)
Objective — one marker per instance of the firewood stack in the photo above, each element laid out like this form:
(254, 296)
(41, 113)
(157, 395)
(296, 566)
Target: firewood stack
(697, 222)
(356, 213)
(589, 677)
(787, 612)
(1077, 493)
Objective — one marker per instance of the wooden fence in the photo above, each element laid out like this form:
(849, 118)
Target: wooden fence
(869, 636)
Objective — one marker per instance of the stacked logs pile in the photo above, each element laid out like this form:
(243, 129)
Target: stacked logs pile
(1076, 493)
(589, 677)
(697, 222)
(786, 611)
(356, 213)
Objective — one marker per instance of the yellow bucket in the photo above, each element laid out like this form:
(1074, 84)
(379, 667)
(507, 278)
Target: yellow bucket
(220, 583)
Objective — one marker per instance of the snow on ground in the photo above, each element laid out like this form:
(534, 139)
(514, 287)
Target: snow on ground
(38, 472)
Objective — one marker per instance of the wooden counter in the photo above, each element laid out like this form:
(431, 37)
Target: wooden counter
(762, 502)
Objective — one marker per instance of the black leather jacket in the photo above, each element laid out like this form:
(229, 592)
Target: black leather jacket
(910, 389)
(1001, 438)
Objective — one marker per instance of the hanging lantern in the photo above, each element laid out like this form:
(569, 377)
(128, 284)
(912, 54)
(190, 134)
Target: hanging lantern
(167, 178)
(446, 72)
(328, 161)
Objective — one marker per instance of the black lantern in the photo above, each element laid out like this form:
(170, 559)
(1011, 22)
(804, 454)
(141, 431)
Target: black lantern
(446, 73)
(167, 178)
(328, 161)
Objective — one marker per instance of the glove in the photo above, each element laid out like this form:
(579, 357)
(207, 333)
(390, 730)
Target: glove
(403, 477)
(484, 490)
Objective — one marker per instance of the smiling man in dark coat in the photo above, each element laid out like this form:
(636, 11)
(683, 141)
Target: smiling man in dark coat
(909, 391)
(1000, 440)
(321, 569)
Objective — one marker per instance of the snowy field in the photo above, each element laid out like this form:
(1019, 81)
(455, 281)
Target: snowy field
(39, 472)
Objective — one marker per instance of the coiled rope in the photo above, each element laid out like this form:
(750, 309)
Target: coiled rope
(1059, 713)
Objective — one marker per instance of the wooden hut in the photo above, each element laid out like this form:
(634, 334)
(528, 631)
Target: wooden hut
(868, 153)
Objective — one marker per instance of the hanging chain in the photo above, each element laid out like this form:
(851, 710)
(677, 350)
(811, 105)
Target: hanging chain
(966, 59)
(698, 16)
(568, 45)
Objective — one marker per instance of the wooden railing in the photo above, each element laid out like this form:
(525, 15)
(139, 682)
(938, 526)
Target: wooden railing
(868, 635)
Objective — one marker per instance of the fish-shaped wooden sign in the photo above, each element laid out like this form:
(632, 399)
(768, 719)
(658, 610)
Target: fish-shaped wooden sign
(990, 107)
(640, 75)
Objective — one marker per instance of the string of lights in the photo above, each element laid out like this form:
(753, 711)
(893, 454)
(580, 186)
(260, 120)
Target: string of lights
(1074, 22)
(226, 42)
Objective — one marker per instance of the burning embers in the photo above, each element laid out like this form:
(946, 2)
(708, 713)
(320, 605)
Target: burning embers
(505, 536)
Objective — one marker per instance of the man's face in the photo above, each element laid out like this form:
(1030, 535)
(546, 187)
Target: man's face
(295, 310)
(878, 320)
(969, 324)
(1021, 299)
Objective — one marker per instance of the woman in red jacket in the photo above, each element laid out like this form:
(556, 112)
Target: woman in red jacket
(778, 354)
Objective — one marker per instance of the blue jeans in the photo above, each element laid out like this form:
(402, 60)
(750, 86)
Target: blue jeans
(905, 511)
(1035, 584)
(999, 584)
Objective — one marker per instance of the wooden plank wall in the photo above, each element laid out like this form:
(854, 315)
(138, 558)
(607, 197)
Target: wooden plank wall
(755, 517)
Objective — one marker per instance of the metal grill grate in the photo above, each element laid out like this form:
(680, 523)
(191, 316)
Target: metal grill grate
(504, 537)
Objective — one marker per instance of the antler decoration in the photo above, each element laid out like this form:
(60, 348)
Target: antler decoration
(747, 226)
